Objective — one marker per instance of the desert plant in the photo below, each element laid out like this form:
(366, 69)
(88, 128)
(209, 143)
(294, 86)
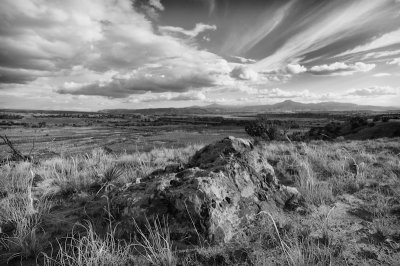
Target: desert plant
(112, 173)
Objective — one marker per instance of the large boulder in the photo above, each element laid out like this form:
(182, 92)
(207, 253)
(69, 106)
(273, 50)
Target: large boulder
(223, 187)
(218, 153)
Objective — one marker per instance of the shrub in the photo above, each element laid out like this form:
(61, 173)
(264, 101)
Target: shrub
(264, 129)
(328, 132)
(385, 119)
(358, 121)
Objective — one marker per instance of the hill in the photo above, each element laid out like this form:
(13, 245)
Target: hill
(380, 130)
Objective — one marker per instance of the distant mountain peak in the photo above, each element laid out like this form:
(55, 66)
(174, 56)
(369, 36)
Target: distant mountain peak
(285, 106)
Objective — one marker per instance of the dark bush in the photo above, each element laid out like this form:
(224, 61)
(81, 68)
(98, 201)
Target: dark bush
(297, 136)
(264, 129)
(358, 121)
(376, 118)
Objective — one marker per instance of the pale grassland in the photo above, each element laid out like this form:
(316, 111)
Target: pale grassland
(322, 172)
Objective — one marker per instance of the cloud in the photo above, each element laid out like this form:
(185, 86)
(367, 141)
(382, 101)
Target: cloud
(378, 42)
(340, 68)
(151, 8)
(381, 54)
(395, 61)
(242, 39)
(380, 75)
(175, 75)
(170, 96)
(156, 4)
(199, 28)
(295, 68)
(243, 60)
(19, 76)
(49, 39)
(373, 91)
(49, 35)
(277, 93)
(112, 51)
(339, 21)
(244, 72)
(361, 94)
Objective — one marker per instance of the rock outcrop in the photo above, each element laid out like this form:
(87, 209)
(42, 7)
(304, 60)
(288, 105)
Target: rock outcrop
(223, 187)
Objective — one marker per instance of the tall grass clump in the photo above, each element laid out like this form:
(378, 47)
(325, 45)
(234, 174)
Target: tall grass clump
(298, 247)
(77, 173)
(314, 191)
(295, 159)
(155, 243)
(21, 212)
(91, 250)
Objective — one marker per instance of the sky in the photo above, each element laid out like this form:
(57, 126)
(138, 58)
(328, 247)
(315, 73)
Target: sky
(103, 54)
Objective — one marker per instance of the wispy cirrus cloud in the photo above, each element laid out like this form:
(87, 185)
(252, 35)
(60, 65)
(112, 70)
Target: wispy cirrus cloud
(243, 60)
(337, 23)
(199, 28)
(380, 54)
(385, 40)
(340, 68)
(241, 40)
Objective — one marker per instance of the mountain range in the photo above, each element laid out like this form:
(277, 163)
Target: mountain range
(288, 106)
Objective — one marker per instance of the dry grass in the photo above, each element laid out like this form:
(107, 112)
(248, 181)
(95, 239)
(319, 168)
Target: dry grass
(91, 250)
(322, 171)
(21, 212)
(155, 241)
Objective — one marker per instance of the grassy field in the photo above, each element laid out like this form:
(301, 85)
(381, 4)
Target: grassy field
(50, 141)
(50, 208)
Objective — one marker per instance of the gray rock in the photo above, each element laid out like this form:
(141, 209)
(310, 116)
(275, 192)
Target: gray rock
(219, 152)
(222, 189)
